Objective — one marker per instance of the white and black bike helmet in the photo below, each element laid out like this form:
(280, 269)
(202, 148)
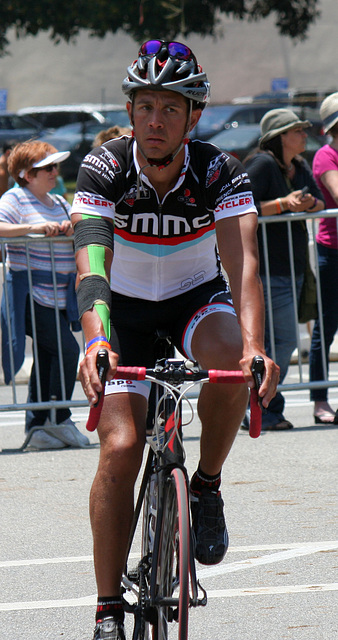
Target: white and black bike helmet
(168, 65)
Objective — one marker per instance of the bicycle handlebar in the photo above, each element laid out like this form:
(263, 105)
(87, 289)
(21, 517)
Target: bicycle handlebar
(180, 375)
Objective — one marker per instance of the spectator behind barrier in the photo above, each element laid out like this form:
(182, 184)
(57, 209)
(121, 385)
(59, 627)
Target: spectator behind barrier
(278, 174)
(6, 181)
(325, 171)
(109, 134)
(30, 209)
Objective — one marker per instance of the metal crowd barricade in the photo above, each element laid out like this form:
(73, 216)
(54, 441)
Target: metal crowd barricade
(52, 404)
(312, 220)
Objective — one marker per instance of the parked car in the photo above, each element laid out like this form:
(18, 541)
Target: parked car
(242, 140)
(78, 138)
(215, 118)
(55, 116)
(17, 128)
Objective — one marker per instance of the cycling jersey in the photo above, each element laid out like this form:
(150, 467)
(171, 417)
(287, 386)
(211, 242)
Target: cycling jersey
(162, 248)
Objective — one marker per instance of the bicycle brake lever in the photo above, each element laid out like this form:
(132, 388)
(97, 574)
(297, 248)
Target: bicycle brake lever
(257, 370)
(102, 364)
(256, 408)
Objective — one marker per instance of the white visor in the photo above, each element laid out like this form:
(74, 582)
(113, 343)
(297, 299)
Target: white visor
(53, 158)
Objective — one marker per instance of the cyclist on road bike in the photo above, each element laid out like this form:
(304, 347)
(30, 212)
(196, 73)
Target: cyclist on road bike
(171, 211)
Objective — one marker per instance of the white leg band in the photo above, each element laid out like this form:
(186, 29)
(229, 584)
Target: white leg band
(208, 309)
(128, 386)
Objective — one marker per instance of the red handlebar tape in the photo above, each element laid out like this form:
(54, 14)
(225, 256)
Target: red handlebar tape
(131, 373)
(233, 377)
(255, 415)
(94, 414)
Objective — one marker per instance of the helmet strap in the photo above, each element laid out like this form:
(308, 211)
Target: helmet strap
(160, 163)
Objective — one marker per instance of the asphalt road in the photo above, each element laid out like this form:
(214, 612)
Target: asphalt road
(278, 581)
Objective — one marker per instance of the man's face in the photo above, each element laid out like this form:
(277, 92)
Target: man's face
(160, 120)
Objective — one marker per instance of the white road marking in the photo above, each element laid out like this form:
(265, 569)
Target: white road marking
(43, 561)
(285, 552)
(49, 604)
(89, 601)
(301, 550)
(276, 547)
(261, 591)
(305, 549)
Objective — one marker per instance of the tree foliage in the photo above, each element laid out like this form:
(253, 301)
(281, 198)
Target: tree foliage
(142, 19)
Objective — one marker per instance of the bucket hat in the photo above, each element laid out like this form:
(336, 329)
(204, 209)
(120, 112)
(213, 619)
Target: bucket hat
(278, 121)
(329, 111)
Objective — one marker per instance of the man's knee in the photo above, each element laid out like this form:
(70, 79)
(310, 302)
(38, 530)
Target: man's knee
(120, 455)
(217, 342)
(218, 353)
(122, 429)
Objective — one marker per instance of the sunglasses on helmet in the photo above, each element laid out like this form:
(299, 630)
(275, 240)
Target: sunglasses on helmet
(175, 49)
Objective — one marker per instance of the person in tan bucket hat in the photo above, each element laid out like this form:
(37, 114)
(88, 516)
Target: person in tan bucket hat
(325, 171)
(278, 173)
(277, 121)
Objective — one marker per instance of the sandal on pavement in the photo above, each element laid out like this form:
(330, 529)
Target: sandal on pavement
(333, 418)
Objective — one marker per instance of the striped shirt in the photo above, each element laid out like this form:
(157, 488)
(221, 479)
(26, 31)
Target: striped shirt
(20, 206)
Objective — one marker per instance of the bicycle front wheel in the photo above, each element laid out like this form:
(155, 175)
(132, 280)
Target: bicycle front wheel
(172, 562)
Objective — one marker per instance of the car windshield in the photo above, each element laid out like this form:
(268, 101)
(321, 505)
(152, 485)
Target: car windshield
(70, 129)
(213, 118)
(12, 121)
(79, 128)
(236, 137)
(114, 116)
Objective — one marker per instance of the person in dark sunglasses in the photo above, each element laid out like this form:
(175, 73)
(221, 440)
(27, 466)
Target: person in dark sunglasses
(154, 216)
(49, 168)
(30, 209)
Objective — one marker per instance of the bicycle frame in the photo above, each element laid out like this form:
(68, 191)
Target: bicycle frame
(166, 456)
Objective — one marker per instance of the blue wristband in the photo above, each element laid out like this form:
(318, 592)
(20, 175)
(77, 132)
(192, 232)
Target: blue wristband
(98, 339)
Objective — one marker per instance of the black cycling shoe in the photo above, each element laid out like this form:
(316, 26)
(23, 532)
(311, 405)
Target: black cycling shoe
(211, 536)
(109, 629)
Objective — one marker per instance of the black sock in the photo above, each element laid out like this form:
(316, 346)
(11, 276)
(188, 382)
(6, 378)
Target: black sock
(201, 480)
(110, 608)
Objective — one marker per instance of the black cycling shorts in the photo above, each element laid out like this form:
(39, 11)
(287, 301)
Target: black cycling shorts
(134, 322)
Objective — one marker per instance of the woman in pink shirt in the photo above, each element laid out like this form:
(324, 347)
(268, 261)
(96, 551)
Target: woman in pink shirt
(325, 171)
